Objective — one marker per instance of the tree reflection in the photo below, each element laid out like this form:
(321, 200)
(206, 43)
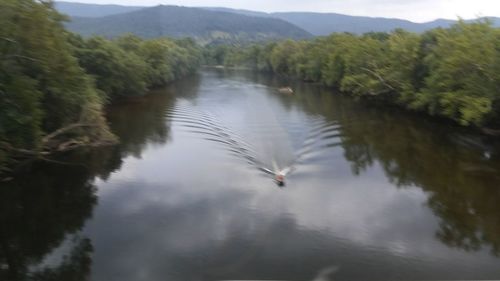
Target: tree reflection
(49, 202)
(75, 266)
(458, 169)
(37, 212)
(461, 182)
(142, 121)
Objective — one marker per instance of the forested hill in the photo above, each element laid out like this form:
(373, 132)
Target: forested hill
(203, 25)
(327, 23)
(314, 23)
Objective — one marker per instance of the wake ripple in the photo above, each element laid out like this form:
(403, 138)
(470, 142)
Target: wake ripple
(310, 136)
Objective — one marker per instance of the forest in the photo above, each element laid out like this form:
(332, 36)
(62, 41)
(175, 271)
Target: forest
(54, 85)
(450, 73)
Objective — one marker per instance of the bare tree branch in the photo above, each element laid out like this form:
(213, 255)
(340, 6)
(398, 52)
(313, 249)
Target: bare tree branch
(63, 130)
(21, 57)
(10, 40)
(378, 77)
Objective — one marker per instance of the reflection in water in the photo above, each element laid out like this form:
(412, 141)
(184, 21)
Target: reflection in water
(376, 194)
(42, 212)
(460, 171)
(37, 213)
(462, 185)
(274, 156)
(260, 132)
(461, 182)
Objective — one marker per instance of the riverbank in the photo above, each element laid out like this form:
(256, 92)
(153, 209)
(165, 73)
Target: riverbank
(451, 73)
(54, 84)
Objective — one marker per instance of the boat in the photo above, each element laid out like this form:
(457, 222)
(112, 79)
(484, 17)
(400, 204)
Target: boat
(280, 179)
(285, 90)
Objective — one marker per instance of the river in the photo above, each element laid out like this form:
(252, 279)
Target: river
(370, 193)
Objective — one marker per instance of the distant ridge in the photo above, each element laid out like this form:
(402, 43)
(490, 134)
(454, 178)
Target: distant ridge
(92, 10)
(108, 20)
(203, 25)
(326, 23)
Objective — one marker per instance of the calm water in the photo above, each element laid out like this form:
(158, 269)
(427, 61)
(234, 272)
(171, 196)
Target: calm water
(187, 195)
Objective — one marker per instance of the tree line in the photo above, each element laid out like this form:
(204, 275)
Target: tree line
(452, 73)
(54, 85)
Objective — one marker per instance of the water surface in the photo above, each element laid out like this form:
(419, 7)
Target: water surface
(371, 193)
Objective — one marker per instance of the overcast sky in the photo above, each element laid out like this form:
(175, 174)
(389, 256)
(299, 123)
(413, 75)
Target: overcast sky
(414, 10)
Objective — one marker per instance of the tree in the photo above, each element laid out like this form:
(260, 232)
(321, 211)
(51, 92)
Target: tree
(447, 72)
(43, 91)
(117, 72)
(463, 77)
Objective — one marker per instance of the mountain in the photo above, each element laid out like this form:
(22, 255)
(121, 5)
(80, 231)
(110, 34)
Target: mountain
(204, 25)
(209, 24)
(320, 24)
(326, 23)
(92, 10)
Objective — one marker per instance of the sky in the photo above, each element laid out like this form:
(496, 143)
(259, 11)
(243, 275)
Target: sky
(414, 10)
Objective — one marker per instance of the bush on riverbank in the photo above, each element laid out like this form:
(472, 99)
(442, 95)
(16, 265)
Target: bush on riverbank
(446, 72)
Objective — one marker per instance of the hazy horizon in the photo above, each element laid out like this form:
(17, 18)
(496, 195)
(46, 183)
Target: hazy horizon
(416, 11)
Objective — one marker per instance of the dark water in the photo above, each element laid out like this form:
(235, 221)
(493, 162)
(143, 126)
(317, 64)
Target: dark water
(370, 193)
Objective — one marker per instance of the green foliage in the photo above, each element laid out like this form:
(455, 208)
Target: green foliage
(364, 64)
(117, 72)
(53, 84)
(128, 66)
(451, 73)
(42, 87)
(282, 57)
(463, 82)
(402, 69)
